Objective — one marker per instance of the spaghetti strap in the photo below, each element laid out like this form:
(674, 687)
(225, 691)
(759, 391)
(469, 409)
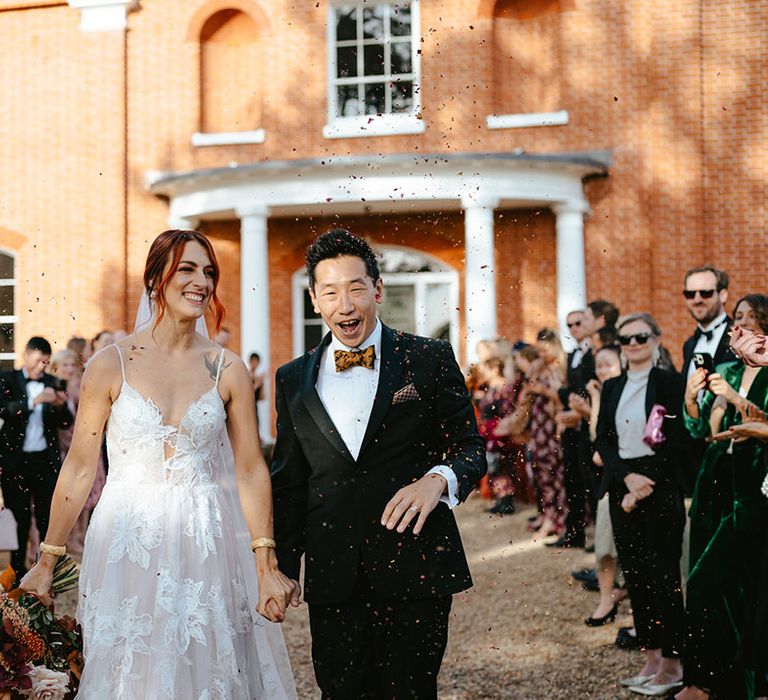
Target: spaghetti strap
(218, 369)
(122, 363)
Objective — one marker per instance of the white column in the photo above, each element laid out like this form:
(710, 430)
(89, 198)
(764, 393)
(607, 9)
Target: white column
(571, 267)
(104, 15)
(479, 271)
(254, 302)
(183, 223)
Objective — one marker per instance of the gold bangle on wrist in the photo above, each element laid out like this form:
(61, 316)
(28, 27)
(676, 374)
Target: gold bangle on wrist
(56, 550)
(262, 542)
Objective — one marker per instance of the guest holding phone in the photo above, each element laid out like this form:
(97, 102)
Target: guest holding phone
(646, 501)
(727, 512)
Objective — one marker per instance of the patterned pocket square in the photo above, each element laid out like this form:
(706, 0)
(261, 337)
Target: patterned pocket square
(407, 393)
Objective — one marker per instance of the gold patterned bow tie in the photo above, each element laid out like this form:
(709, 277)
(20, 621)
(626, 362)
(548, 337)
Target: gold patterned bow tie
(354, 358)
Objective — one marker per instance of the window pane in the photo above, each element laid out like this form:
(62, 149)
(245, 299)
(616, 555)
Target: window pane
(6, 301)
(400, 22)
(6, 267)
(6, 365)
(398, 309)
(309, 312)
(373, 22)
(401, 58)
(346, 62)
(347, 104)
(346, 23)
(402, 96)
(374, 59)
(313, 334)
(6, 337)
(374, 99)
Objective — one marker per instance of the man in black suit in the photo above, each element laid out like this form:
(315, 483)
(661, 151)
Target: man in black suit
(376, 442)
(705, 292)
(33, 410)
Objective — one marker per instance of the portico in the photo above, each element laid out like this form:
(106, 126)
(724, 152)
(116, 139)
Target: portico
(477, 184)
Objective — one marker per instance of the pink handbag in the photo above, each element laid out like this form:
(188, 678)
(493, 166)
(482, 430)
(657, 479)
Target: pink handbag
(654, 436)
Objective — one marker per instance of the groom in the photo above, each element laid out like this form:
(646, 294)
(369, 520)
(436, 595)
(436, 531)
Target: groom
(376, 442)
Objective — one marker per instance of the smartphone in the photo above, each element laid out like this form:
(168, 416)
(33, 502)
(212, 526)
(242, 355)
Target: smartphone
(704, 361)
(60, 385)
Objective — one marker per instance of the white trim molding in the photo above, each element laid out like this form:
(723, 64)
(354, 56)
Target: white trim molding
(228, 138)
(520, 121)
(374, 125)
(104, 15)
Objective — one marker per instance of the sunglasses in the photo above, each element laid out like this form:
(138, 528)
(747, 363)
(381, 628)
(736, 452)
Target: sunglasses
(641, 338)
(575, 324)
(705, 293)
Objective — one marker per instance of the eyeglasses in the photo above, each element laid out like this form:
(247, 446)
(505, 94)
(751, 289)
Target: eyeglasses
(641, 338)
(705, 293)
(575, 324)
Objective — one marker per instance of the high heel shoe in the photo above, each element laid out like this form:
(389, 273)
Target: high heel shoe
(605, 619)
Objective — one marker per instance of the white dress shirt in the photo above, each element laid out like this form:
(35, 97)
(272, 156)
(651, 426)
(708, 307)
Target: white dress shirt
(579, 352)
(709, 346)
(34, 437)
(348, 399)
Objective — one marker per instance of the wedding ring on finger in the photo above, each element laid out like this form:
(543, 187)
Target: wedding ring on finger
(415, 509)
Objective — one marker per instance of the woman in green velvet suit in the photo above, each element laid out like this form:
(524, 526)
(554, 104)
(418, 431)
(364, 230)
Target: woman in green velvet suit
(728, 516)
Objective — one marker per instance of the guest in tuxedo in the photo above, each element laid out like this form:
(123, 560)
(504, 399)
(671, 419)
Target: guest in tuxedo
(646, 501)
(33, 411)
(706, 292)
(376, 442)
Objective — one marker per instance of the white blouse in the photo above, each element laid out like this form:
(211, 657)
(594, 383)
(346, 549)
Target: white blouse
(630, 416)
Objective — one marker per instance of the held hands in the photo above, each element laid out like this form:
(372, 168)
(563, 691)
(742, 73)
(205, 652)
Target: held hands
(639, 486)
(628, 503)
(419, 498)
(276, 590)
(750, 347)
(579, 404)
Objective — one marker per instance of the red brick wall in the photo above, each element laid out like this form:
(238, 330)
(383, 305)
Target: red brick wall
(677, 93)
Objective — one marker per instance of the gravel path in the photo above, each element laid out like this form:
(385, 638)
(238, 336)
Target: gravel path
(518, 634)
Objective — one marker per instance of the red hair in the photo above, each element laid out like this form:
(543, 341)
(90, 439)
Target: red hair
(167, 248)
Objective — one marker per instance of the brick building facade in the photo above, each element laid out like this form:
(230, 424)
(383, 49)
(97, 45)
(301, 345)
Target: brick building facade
(522, 154)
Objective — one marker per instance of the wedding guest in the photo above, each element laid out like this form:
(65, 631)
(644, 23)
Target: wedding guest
(64, 366)
(646, 503)
(505, 454)
(33, 410)
(101, 340)
(726, 512)
(82, 349)
(607, 366)
(546, 377)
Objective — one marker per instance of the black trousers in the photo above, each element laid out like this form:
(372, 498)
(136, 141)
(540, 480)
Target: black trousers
(573, 484)
(34, 479)
(371, 648)
(649, 542)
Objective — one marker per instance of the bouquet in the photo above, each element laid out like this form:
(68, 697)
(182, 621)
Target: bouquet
(40, 654)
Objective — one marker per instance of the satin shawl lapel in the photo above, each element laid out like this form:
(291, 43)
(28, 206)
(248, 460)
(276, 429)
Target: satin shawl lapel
(389, 378)
(314, 405)
(21, 384)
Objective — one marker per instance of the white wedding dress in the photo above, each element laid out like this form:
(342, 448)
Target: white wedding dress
(168, 585)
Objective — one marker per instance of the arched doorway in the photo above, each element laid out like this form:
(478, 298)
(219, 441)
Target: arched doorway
(421, 296)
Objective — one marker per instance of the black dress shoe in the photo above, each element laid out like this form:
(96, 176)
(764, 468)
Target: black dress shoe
(604, 620)
(504, 506)
(583, 574)
(568, 542)
(625, 640)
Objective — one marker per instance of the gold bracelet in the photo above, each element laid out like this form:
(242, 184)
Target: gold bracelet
(56, 550)
(262, 542)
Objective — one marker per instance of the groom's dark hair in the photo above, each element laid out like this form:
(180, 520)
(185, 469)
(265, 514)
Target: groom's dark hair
(336, 243)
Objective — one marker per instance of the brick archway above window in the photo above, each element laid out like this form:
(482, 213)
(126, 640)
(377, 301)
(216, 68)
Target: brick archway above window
(209, 9)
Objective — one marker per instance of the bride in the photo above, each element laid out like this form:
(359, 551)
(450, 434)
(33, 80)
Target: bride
(168, 585)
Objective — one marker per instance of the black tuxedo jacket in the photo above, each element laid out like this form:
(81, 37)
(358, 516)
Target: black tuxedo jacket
(14, 410)
(722, 354)
(670, 461)
(328, 505)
